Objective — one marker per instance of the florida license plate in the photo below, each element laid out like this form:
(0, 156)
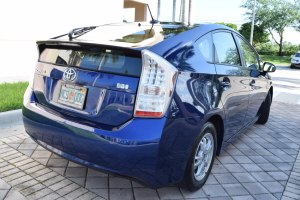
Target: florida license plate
(72, 95)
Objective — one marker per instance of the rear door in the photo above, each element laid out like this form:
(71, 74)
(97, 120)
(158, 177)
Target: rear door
(233, 81)
(94, 84)
(258, 83)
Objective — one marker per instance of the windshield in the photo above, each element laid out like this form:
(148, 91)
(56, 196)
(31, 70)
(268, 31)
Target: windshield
(297, 55)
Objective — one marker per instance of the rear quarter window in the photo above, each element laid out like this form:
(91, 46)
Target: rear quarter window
(205, 47)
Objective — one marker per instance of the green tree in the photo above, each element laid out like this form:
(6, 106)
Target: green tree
(290, 47)
(275, 16)
(297, 26)
(233, 26)
(259, 34)
(267, 47)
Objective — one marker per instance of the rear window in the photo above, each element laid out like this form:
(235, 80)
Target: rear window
(136, 37)
(99, 59)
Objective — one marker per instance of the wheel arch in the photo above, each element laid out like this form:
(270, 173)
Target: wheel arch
(218, 123)
(271, 92)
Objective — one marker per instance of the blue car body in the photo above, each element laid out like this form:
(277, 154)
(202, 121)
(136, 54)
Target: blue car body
(153, 151)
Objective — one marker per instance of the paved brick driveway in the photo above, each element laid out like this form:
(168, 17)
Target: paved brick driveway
(257, 166)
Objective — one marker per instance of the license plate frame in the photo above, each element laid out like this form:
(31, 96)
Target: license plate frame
(72, 95)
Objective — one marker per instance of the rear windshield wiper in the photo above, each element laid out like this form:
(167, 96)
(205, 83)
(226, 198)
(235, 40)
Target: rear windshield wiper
(76, 32)
(80, 31)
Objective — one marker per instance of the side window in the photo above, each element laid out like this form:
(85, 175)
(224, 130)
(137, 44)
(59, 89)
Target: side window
(225, 49)
(249, 55)
(205, 47)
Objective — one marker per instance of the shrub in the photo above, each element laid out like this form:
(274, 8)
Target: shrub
(275, 53)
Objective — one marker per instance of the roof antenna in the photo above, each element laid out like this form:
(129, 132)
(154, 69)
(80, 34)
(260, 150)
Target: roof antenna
(153, 21)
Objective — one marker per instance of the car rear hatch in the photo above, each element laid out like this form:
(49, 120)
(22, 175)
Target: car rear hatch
(95, 84)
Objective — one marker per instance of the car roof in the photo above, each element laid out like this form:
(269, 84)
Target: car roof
(140, 35)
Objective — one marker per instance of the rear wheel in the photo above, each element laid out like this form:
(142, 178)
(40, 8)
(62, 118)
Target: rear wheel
(265, 110)
(201, 159)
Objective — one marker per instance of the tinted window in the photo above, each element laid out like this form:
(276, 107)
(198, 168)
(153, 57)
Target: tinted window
(205, 47)
(136, 37)
(249, 55)
(95, 59)
(225, 49)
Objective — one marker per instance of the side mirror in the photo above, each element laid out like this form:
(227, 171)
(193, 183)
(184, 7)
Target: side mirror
(269, 67)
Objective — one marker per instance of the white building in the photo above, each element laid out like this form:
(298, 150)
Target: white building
(24, 22)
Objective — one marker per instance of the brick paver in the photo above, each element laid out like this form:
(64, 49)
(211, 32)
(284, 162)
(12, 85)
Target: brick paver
(292, 189)
(263, 163)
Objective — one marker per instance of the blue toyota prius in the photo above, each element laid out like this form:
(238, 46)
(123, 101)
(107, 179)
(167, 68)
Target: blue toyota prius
(154, 103)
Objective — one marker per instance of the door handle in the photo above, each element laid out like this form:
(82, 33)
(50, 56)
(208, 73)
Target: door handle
(252, 84)
(225, 83)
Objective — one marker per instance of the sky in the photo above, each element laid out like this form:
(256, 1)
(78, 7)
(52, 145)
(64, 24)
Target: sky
(220, 11)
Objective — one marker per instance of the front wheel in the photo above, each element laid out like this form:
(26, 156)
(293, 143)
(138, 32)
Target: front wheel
(201, 159)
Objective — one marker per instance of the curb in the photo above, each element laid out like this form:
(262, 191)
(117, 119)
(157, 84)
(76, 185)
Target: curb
(14, 79)
(10, 118)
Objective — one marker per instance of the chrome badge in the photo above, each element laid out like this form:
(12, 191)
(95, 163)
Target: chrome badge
(122, 86)
(69, 74)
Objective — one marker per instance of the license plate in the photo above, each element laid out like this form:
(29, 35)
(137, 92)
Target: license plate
(72, 95)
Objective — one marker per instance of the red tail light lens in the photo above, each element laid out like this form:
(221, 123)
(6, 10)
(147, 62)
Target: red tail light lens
(156, 86)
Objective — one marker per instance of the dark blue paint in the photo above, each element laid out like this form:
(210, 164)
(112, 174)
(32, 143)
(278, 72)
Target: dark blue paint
(181, 50)
(91, 78)
(234, 98)
(195, 95)
(118, 151)
(154, 151)
(105, 103)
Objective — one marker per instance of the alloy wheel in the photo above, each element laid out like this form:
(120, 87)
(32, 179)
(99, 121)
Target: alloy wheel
(203, 157)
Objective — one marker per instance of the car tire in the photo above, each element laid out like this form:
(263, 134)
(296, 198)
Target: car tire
(291, 66)
(201, 159)
(265, 110)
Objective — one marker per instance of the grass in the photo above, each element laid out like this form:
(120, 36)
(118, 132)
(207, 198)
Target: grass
(11, 95)
(277, 60)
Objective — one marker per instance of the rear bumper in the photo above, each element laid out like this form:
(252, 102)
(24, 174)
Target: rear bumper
(130, 151)
(153, 151)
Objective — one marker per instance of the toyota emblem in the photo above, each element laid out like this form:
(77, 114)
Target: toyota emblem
(69, 74)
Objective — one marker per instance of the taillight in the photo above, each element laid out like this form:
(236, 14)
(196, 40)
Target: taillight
(156, 86)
